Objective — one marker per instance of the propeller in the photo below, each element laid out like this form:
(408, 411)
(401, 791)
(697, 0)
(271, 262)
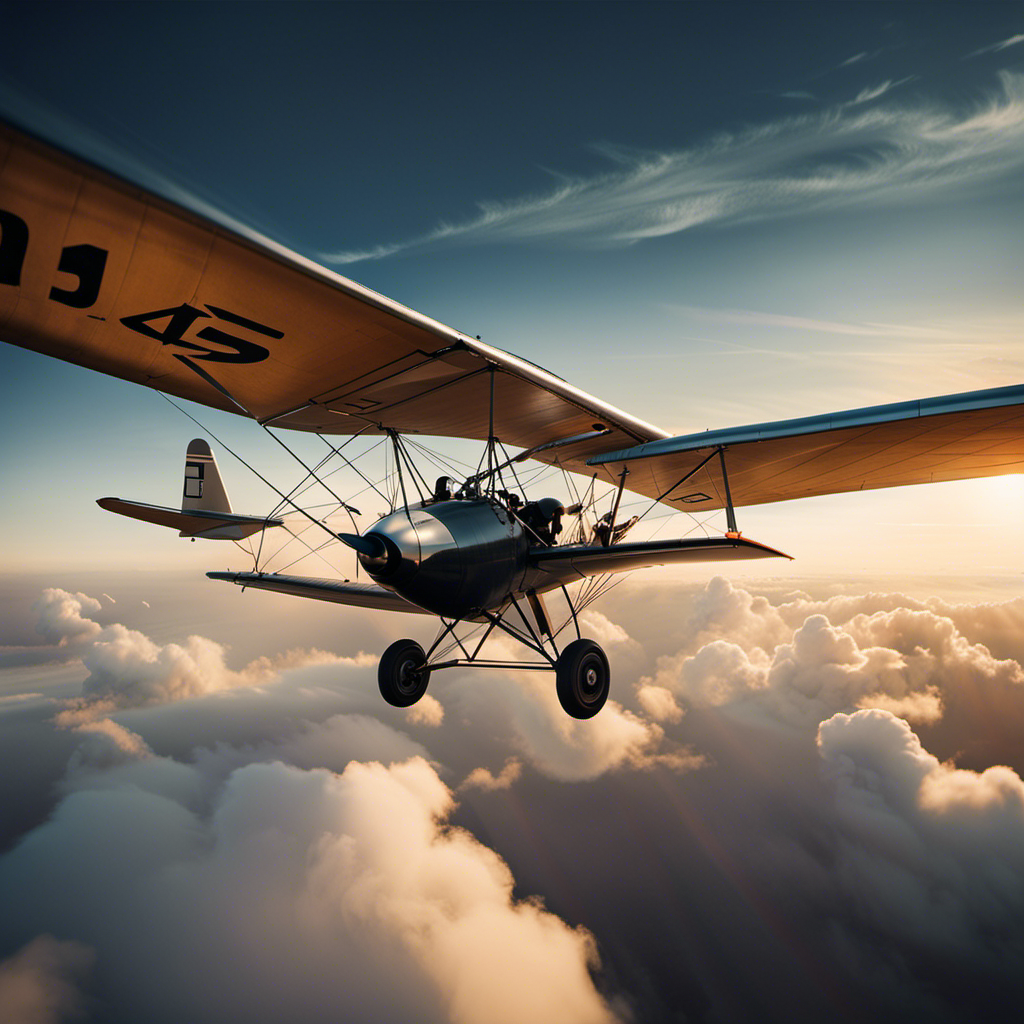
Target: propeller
(370, 545)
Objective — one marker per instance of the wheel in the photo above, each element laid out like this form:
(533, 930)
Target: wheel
(583, 679)
(402, 674)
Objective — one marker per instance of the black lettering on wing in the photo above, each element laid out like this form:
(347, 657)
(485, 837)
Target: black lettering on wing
(13, 246)
(87, 263)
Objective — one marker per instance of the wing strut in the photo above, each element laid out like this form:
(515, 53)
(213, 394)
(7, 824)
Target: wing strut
(607, 539)
(730, 512)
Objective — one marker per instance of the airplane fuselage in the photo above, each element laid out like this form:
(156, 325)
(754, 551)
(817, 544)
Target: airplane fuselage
(454, 558)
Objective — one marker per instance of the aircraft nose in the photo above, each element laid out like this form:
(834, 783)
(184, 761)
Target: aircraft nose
(371, 548)
(388, 547)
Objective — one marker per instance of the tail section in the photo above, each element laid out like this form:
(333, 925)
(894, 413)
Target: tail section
(205, 509)
(203, 488)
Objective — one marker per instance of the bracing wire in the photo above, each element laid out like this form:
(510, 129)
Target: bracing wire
(351, 462)
(251, 469)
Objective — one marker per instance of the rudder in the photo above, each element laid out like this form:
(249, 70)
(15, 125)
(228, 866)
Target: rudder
(203, 487)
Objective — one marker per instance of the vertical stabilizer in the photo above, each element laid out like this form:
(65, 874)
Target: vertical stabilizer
(203, 486)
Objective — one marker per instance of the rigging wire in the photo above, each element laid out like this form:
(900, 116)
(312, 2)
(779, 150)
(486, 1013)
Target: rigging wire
(312, 473)
(351, 462)
(252, 470)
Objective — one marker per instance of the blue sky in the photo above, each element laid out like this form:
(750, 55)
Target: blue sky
(707, 214)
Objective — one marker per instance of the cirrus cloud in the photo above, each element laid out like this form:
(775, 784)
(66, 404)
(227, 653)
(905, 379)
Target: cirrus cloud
(852, 155)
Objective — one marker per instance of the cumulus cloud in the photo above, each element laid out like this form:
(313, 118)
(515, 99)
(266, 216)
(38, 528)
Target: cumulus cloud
(800, 660)
(428, 710)
(942, 847)
(63, 617)
(481, 778)
(523, 707)
(321, 890)
(600, 628)
(839, 158)
(658, 702)
(105, 743)
(789, 786)
(39, 984)
(127, 668)
(721, 610)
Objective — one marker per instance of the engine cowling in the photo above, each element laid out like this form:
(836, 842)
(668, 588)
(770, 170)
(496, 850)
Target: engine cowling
(453, 558)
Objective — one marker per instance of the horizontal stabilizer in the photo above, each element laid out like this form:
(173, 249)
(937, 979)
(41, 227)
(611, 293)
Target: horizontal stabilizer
(572, 561)
(191, 523)
(361, 595)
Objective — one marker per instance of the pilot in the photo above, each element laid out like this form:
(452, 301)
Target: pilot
(606, 535)
(543, 518)
(443, 489)
(511, 499)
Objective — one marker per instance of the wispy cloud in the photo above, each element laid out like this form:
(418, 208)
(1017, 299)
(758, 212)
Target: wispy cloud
(755, 318)
(873, 92)
(855, 59)
(996, 47)
(841, 157)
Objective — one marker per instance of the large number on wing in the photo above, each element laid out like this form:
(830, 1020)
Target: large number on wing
(181, 318)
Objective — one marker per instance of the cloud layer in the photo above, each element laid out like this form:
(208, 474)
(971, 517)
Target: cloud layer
(322, 890)
(800, 804)
(38, 985)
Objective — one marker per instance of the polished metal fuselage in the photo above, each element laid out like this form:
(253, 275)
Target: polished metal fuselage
(454, 558)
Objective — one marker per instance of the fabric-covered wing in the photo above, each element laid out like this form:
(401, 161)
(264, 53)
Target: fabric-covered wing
(98, 272)
(955, 437)
(361, 595)
(564, 564)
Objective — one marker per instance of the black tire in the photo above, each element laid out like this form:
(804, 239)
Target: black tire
(584, 679)
(402, 674)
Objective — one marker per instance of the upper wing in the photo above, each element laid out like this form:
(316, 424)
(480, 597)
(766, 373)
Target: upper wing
(955, 437)
(98, 272)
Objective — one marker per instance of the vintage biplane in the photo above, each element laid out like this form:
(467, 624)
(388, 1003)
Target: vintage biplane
(100, 272)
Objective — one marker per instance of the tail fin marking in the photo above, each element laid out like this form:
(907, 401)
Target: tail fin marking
(203, 487)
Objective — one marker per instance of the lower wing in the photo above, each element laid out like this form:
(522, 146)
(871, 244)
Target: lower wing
(550, 567)
(361, 595)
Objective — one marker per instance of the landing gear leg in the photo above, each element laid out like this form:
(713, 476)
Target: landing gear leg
(402, 674)
(582, 679)
(582, 675)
